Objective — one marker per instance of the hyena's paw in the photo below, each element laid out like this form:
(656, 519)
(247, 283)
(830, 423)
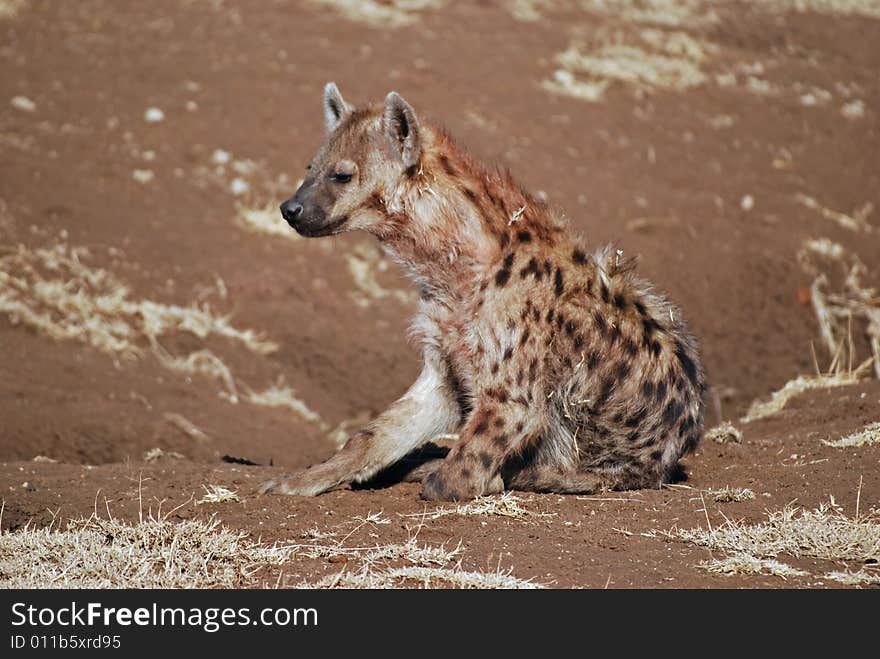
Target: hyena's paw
(447, 484)
(301, 484)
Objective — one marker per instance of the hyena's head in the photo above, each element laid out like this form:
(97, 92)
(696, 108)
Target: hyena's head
(365, 154)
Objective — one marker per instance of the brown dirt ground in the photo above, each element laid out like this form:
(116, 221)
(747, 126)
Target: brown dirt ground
(92, 68)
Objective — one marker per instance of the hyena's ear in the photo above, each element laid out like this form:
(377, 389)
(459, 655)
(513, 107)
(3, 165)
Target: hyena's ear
(402, 128)
(335, 107)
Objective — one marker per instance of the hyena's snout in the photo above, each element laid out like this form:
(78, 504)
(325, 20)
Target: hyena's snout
(306, 214)
(291, 210)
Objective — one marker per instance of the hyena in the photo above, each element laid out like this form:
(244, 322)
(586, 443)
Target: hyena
(559, 369)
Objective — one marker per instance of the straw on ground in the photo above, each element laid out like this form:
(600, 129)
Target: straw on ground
(867, 436)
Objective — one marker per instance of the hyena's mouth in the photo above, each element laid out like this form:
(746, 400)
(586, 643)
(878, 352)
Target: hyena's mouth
(311, 231)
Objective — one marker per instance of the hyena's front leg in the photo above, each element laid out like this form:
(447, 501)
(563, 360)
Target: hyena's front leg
(428, 409)
(496, 430)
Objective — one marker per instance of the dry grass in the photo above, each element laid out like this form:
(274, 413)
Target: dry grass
(855, 301)
(823, 247)
(266, 220)
(153, 553)
(280, 395)
(649, 59)
(746, 564)
(186, 426)
(425, 577)
(407, 552)
(868, 8)
(724, 433)
(668, 13)
(731, 494)
(868, 436)
(53, 291)
(664, 13)
(201, 362)
(395, 564)
(381, 13)
(529, 11)
(154, 454)
(858, 221)
(825, 533)
(218, 494)
(506, 504)
(365, 261)
(10, 8)
(779, 399)
(858, 578)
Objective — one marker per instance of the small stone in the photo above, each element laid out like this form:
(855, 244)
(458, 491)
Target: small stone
(154, 115)
(143, 175)
(238, 186)
(24, 104)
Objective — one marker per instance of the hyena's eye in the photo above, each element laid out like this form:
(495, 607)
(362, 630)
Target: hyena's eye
(343, 172)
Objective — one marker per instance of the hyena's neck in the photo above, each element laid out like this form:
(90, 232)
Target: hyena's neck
(453, 220)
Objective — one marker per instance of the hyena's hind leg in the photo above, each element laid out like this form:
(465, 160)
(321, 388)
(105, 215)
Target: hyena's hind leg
(543, 478)
(495, 486)
(551, 479)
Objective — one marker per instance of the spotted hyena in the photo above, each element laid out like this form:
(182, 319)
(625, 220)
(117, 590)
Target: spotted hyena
(559, 368)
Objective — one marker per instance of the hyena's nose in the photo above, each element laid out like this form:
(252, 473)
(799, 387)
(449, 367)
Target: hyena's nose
(291, 210)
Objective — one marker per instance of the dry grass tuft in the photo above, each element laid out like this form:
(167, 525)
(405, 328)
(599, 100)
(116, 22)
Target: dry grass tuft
(859, 578)
(855, 301)
(381, 13)
(10, 8)
(731, 494)
(668, 13)
(724, 433)
(858, 221)
(364, 262)
(394, 565)
(650, 59)
(154, 553)
(529, 11)
(409, 552)
(746, 564)
(822, 247)
(186, 426)
(426, 577)
(825, 533)
(201, 362)
(265, 219)
(506, 504)
(157, 453)
(54, 292)
(867, 436)
(280, 395)
(218, 494)
(868, 8)
(779, 399)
